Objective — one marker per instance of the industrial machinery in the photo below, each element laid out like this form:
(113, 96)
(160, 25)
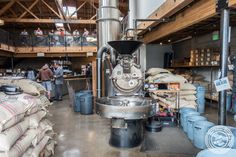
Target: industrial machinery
(122, 79)
(127, 109)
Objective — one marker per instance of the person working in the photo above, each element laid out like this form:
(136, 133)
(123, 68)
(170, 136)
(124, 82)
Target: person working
(58, 76)
(45, 75)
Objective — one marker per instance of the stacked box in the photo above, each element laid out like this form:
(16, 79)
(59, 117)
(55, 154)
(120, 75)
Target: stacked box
(204, 57)
(215, 59)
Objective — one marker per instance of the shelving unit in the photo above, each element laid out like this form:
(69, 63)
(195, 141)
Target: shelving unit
(188, 66)
(209, 96)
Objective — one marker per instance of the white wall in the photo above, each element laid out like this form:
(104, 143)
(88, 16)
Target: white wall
(146, 7)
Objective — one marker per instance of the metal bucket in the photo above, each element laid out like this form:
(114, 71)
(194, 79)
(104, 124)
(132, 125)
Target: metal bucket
(190, 124)
(199, 132)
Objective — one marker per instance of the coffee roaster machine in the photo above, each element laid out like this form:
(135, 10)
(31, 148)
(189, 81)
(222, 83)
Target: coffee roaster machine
(124, 103)
(127, 109)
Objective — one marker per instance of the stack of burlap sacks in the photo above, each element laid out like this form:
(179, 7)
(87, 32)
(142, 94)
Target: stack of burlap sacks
(24, 128)
(199, 79)
(187, 91)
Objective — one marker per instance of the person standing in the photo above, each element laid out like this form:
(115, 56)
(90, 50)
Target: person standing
(85, 35)
(45, 75)
(39, 36)
(76, 36)
(58, 76)
(51, 35)
(24, 36)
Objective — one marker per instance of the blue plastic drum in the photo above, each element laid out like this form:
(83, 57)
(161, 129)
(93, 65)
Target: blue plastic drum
(77, 98)
(182, 111)
(190, 124)
(185, 115)
(199, 132)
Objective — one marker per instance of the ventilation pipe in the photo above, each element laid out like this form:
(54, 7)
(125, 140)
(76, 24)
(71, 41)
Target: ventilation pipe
(109, 29)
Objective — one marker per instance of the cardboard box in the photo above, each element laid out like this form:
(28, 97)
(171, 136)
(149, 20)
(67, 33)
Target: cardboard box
(208, 59)
(207, 63)
(208, 54)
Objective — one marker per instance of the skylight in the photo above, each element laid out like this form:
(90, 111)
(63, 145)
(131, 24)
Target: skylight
(69, 10)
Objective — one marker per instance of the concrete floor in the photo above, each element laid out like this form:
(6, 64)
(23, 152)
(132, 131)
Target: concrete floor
(88, 136)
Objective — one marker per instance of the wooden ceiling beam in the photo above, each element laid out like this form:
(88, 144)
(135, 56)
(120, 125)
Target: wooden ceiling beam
(232, 3)
(166, 10)
(50, 8)
(71, 21)
(60, 9)
(18, 2)
(78, 8)
(93, 5)
(7, 6)
(13, 13)
(31, 6)
(93, 17)
(198, 12)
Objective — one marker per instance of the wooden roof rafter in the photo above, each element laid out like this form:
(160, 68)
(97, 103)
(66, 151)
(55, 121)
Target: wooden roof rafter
(30, 7)
(6, 7)
(50, 8)
(79, 7)
(26, 9)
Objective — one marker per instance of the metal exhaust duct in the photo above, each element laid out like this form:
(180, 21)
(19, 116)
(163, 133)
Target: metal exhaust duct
(109, 29)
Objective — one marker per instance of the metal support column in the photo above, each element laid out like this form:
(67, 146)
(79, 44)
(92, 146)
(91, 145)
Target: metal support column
(12, 63)
(224, 56)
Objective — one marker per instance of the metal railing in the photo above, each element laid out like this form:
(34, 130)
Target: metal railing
(54, 41)
(46, 40)
(5, 38)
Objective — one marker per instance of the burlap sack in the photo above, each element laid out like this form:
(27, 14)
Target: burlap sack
(11, 135)
(34, 152)
(28, 86)
(21, 145)
(187, 86)
(35, 118)
(33, 102)
(49, 149)
(44, 127)
(11, 112)
(166, 78)
(155, 71)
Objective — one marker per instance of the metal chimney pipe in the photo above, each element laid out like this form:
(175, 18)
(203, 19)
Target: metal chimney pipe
(109, 29)
(109, 26)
